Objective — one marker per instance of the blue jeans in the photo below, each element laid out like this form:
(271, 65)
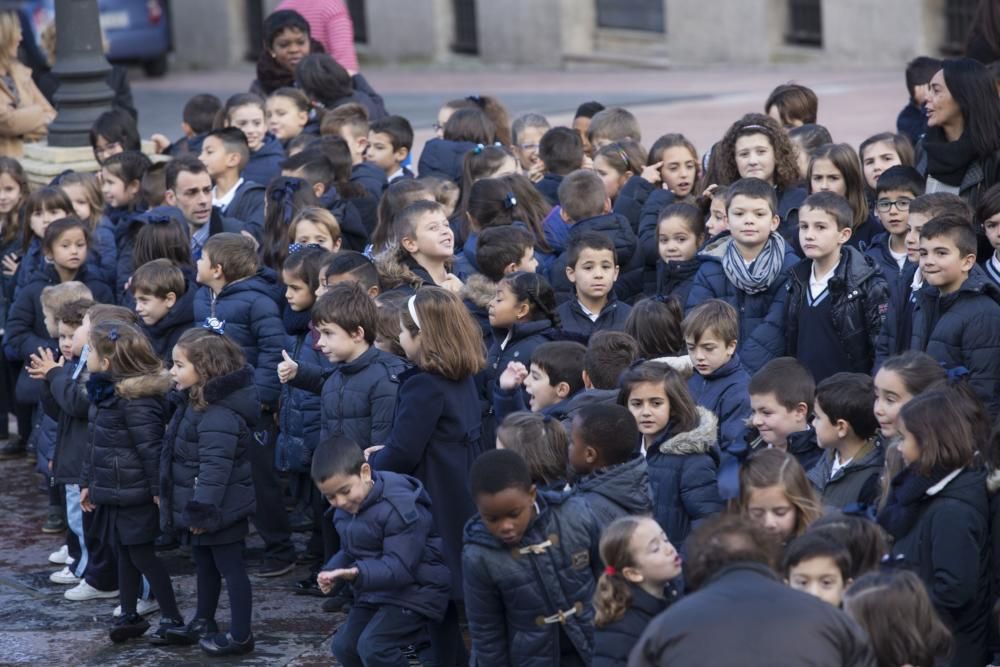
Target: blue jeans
(74, 519)
(377, 636)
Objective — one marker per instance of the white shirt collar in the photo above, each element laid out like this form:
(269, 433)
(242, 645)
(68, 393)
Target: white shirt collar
(819, 283)
(226, 199)
(586, 311)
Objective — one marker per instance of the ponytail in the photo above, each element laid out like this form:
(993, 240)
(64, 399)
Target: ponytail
(613, 595)
(537, 291)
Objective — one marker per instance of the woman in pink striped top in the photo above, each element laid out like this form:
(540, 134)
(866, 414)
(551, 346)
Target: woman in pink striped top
(331, 26)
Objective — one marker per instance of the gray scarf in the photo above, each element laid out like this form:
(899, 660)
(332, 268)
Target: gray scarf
(762, 271)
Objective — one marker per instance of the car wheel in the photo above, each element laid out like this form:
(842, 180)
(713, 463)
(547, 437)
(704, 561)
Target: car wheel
(156, 67)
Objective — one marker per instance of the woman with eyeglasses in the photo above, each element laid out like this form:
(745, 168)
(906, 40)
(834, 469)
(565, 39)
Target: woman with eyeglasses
(25, 114)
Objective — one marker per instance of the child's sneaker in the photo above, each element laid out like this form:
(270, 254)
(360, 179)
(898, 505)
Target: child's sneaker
(64, 576)
(128, 627)
(142, 607)
(60, 557)
(84, 591)
(55, 523)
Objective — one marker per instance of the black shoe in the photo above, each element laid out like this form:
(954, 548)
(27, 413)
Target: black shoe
(12, 449)
(300, 522)
(307, 586)
(56, 522)
(275, 568)
(219, 645)
(158, 637)
(128, 627)
(192, 633)
(308, 558)
(166, 542)
(337, 603)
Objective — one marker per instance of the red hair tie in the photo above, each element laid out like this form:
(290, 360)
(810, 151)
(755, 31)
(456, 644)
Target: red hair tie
(610, 571)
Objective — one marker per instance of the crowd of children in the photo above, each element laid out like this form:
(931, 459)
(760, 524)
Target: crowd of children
(569, 399)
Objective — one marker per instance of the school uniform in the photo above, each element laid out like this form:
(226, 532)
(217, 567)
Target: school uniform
(632, 198)
(163, 335)
(578, 320)
(617, 229)
(614, 642)
(401, 174)
(371, 177)
(682, 473)
(912, 122)
(863, 235)
(896, 268)
(724, 393)
(842, 483)
(442, 158)
(649, 220)
(833, 321)
(549, 187)
(801, 444)
(675, 279)
(515, 344)
(530, 604)
(245, 202)
(790, 199)
(353, 232)
(298, 409)
(992, 269)
(265, 162)
(617, 490)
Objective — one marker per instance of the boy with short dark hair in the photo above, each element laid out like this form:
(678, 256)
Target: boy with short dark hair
(581, 123)
(390, 554)
(503, 250)
(912, 120)
(956, 315)
(591, 266)
(349, 266)
(610, 474)
(164, 303)
(548, 540)
(837, 297)
(555, 374)
(895, 190)
(819, 566)
(748, 269)
(561, 151)
(719, 382)
(390, 142)
(225, 153)
(848, 472)
(197, 118)
(781, 397)
(608, 355)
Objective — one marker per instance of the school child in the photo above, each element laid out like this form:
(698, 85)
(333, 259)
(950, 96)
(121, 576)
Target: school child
(881, 152)
(84, 192)
(40, 208)
(207, 484)
(480, 206)
(679, 444)
(350, 122)
(491, 106)
(775, 494)
(288, 114)
(464, 130)
(835, 168)
(526, 134)
(127, 389)
(591, 268)
(912, 119)
(225, 153)
(315, 226)
(637, 584)
(530, 562)
(503, 250)
(608, 355)
(561, 151)
(113, 132)
(502, 203)
(436, 431)
(806, 139)
(349, 266)
(390, 555)
(756, 290)
(164, 302)
(895, 611)
(553, 377)
(781, 400)
(240, 298)
(655, 324)
(719, 382)
(618, 164)
(613, 124)
(815, 564)
(792, 105)
(896, 188)
(197, 118)
(542, 442)
(837, 298)
(586, 208)
(424, 250)
(956, 316)
(848, 472)
(607, 471)
(245, 112)
(121, 182)
(940, 498)
(329, 86)
(680, 232)
(390, 141)
(864, 540)
(287, 196)
(988, 215)
(581, 122)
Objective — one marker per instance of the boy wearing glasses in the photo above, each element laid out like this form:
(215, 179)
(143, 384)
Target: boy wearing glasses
(895, 188)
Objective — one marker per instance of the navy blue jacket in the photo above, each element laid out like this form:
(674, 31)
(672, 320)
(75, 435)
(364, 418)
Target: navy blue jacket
(617, 229)
(352, 227)
(299, 420)
(66, 399)
(762, 315)
(364, 95)
(524, 338)
(611, 318)
(205, 463)
(371, 177)
(897, 278)
(549, 187)
(725, 393)
(632, 198)
(443, 158)
(912, 121)
(435, 437)
(789, 202)
(682, 471)
(392, 542)
(103, 250)
(801, 444)
(265, 162)
(614, 642)
(963, 329)
(513, 593)
(7, 283)
(357, 398)
(568, 409)
(675, 279)
(898, 327)
(649, 247)
(250, 312)
(617, 491)
(247, 206)
(164, 334)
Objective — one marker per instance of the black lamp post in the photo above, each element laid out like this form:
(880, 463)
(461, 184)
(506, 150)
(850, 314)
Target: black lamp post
(83, 93)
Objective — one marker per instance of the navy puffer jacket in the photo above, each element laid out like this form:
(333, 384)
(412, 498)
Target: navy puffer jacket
(205, 464)
(649, 248)
(127, 420)
(632, 198)
(611, 318)
(617, 491)
(443, 158)
(618, 229)
(725, 393)
(252, 319)
(247, 206)
(164, 334)
(265, 162)
(614, 642)
(762, 315)
(67, 400)
(299, 409)
(683, 470)
(515, 593)
(676, 278)
(392, 542)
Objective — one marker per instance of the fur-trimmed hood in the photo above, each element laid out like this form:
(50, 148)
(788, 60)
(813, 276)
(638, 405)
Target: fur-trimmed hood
(699, 440)
(396, 271)
(157, 384)
(479, 290)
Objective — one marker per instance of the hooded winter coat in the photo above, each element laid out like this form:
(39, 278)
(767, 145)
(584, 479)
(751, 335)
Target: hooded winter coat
(856, 482)
(617, 491)
(725, 393)
(265, 162)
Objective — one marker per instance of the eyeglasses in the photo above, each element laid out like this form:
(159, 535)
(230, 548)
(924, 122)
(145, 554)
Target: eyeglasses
(901, 205)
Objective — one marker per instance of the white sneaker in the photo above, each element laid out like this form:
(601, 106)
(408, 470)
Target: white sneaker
(64, 576)
(59, 557)
(84, 591)
(142, 607)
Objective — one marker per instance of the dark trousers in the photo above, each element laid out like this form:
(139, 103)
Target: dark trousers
(215, 563)
(377, 636)
(447, 644)
(270, 519)
(102, 554)
(134, 561)
(324, 539)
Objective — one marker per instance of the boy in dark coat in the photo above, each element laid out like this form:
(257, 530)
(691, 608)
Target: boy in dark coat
(608, 355)
(592, 267)
(561, 151)
(895, 189)
(837, 297)
(389, 554)
(554, 376)
(610, 475)
(719, 382)
(164, 302)
(530, 562)
(781, 400)
(225, 154)
(852, 462)
(265, 162)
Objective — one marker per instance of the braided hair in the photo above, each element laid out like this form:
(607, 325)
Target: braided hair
(537, 291)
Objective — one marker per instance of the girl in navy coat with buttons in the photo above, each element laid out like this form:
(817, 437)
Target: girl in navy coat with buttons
(437, 431)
